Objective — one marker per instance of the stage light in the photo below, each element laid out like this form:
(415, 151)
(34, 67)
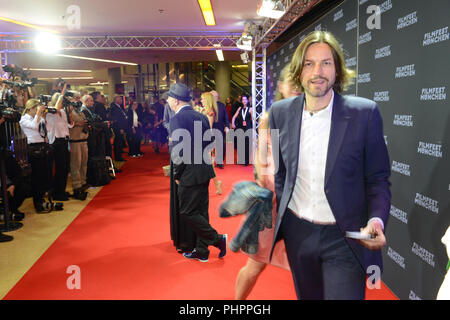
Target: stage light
(244, 57)
(207, 11)
(245, 42)
(271, 9)
(47, 43)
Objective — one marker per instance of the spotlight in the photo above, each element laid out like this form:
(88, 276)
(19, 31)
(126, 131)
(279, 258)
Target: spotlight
(245, 42)
(271, 9)
(47, 43)
(244, 57)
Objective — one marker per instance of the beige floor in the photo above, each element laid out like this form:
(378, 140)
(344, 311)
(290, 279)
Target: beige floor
(39, 231)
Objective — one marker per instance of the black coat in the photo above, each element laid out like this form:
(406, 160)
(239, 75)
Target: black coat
(118, 117)
(186, 170)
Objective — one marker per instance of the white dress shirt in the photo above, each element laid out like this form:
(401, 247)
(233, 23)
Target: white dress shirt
(308, 198)
(135, 119)
(30, 127)
(57, 126)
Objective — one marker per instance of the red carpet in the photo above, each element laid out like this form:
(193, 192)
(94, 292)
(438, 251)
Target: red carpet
(121, 243)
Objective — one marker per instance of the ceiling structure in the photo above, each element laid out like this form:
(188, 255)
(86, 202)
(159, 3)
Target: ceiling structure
(132, 18)
(136, 31)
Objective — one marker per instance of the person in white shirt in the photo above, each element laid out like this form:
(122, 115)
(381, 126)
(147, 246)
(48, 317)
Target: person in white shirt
(58, 135)
(33, 126)
(331, 177)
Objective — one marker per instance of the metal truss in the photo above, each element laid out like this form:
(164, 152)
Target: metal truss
(258, 90)
(162, 42)
(272, 28)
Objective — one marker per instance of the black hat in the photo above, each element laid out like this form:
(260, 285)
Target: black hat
(180, 91)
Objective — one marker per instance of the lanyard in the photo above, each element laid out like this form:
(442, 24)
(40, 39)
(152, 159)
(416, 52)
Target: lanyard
(244, 114)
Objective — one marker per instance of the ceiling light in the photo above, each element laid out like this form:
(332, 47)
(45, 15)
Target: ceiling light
(47, 43)
(208, 14)
(271, 9)
(220, 55)
(95, 59)
(58, 70)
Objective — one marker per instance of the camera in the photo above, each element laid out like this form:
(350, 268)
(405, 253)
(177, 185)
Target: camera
(45, 99)
(50, 206)
(10, 114)
(8, 106)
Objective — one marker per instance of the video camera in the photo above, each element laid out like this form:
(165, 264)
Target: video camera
(8, 106)
(16, 72)
(45, 99)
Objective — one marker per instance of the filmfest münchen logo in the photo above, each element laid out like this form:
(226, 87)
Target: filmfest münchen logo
(423, 254)
(430, 149)
(353, 24)
(364, 78)
(381, 96)
(350, 62)
(338, 15)
(403, 120)
(399, 214)
(405, 71)
(367, 37)
(407, 20)
(383, 52)
(433, 94)
(401, 168)
(427, 203)
(436, 36)
(398, 259)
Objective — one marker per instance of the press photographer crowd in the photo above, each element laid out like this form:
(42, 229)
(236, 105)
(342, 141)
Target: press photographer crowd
(47, 138)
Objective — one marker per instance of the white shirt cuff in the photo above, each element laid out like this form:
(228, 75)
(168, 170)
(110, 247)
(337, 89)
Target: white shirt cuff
(379, 220)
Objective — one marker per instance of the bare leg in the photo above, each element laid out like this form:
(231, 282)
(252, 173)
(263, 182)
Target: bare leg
(247, 277)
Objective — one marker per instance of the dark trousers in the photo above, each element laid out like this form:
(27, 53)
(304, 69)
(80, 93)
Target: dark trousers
(40, 173)
(194, 204)
(21, 191)
(134, 141)
(119, 144)
(61, 157)
(322, 264)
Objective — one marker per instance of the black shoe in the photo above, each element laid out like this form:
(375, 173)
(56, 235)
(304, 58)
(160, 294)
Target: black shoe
(223, 246)
(79, 194)
(121, 160)
(195, 255)
(17, 216)
(220, 166)
(40, 208)
(5, 237)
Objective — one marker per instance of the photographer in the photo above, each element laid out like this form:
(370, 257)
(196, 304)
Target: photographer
(78, 153)
(34, 128)
(58, 125)
(16, 187)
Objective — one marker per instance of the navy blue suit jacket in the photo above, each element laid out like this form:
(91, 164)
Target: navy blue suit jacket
(357, 167)
(188, 170)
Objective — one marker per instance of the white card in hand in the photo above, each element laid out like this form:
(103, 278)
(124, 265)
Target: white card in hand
(358, 235)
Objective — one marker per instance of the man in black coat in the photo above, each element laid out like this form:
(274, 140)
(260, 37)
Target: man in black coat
(119, 125)
(223, 125)
(192, 171)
